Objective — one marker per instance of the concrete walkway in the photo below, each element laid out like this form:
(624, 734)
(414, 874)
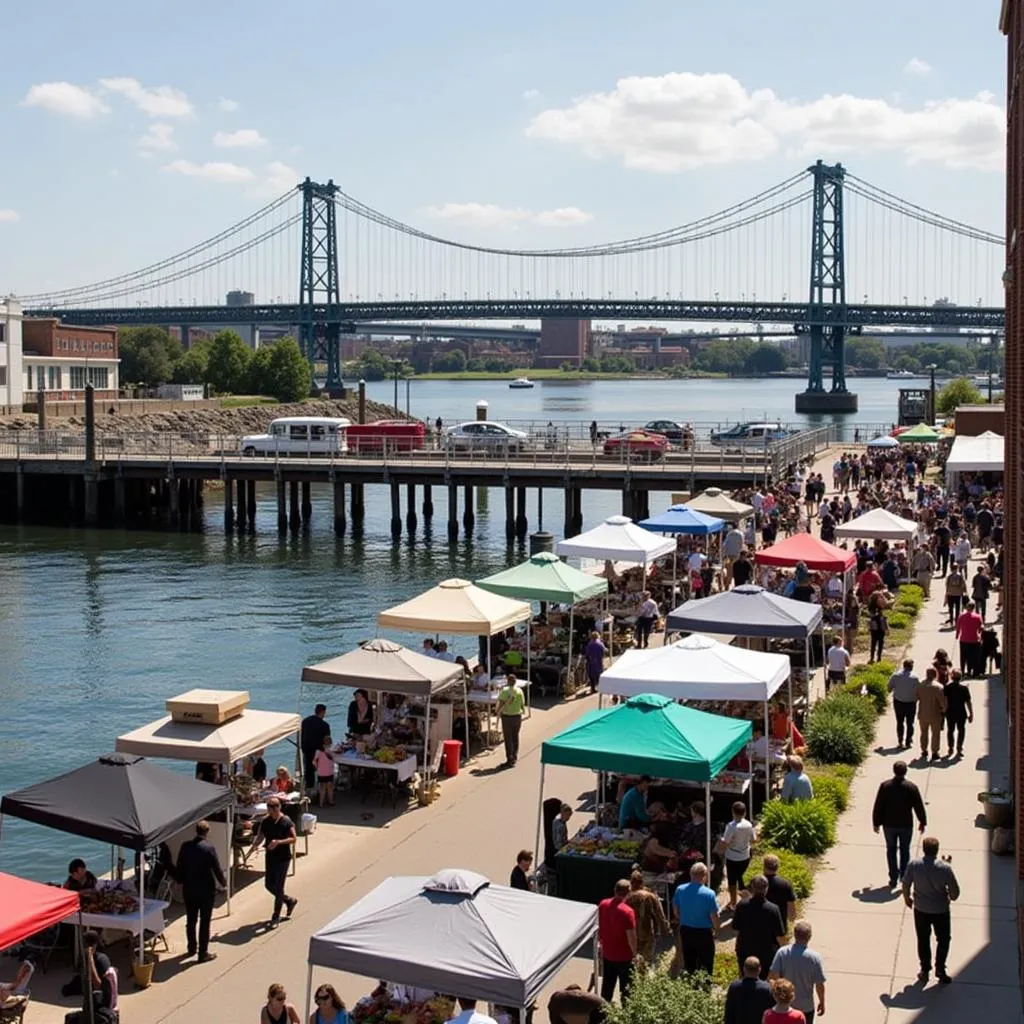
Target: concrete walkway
(865, 934)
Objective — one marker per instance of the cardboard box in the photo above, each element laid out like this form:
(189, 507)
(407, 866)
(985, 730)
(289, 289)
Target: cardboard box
(208, 707)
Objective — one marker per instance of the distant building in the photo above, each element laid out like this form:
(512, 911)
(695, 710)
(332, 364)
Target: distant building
(60, 359)
(562, 340)
(12, 377)
(240, 298)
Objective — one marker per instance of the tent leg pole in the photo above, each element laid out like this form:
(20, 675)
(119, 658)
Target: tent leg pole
(537, 853)
(465, 712)
(142, 906)
(86, 973)
(707, 825)
(231, 836)
(529, 650)
(427, 762)
(572, 626)
(490, 707)
(597, 965)
(309, 991)
(767, 761)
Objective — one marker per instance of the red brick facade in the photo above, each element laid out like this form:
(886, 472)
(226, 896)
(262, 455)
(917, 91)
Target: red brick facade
(52, 338)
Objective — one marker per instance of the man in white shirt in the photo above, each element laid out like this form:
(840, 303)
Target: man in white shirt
(695, 562)
(732, 545)
(837, 661)
(470, 1014)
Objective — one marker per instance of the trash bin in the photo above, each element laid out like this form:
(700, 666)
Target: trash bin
(452, 749)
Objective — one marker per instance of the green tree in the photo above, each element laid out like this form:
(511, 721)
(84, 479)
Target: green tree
(865, 353)
(147, 355)
(191, 367)
(591, 365)
(724, 355)
(765, 359)
(228, 364)
(450, 362)
(960, 391)
(371, 365)
(257, 374)
(289, 375)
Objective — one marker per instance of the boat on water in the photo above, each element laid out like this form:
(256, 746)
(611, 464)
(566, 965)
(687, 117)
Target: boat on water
(981, 380)
(520, 383)
(900, 375)
(747, 435)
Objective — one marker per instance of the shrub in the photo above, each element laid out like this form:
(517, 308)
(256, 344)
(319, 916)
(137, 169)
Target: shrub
(655, 998)
(911, 593)
(832, 791)
(910, 610)
(835, 740)
(851, 706)
(898, 620)
(807, 827)
(792, 867)
(877, 690)
(843, 772)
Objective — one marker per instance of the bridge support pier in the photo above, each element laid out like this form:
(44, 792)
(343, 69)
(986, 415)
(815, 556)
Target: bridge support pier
(453, 513)
(396, 511)
(250, 504)
(282, 507)
(521, 522)
(229, 509)
(428, 503)
(307, 503)
(510, 514)
(339, 508)
(241, 506)
(410, 512)
(92, 499)
(358, 506)
(826, 402)
(173, 504)
(468, 515)
(293, 505)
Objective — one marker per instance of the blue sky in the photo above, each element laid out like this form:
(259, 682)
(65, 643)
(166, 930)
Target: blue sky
(135, 132)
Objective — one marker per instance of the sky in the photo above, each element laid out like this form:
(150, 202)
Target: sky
(134, 132)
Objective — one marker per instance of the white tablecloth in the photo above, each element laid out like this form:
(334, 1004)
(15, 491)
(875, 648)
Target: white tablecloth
(152, 919)
(491, 696)
(402, 769)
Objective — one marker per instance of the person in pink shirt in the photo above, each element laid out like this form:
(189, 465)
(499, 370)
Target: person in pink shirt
(968, 631)
(324, 764)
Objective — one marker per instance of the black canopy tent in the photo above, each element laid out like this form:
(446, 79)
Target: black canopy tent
(121, 799)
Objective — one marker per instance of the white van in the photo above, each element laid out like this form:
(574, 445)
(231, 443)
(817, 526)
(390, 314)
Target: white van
(300, 435)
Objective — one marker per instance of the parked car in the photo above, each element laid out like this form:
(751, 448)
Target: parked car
(670, 428)
(749, 435)
(485, 435)
(300, 435)
(637, 444)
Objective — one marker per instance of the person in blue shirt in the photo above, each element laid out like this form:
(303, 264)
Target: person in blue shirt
(797, 784)
(633, 809)
(695, 911)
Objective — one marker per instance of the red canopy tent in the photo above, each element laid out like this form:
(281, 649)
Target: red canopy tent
(30, 907)
(812, 551)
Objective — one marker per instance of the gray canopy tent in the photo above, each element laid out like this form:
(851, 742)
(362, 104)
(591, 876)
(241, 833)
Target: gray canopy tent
(752, 611)
(455, 932)
(388, 667)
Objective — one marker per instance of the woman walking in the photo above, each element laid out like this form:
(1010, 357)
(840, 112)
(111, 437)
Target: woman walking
(956, 591)
(878, 626)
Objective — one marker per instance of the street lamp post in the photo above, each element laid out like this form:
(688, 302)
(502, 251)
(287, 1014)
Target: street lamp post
(931, 370)
(993, 342)
(396, 365)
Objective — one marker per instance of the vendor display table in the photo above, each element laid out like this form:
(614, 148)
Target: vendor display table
(491, 696)
(152, 919)
(403, 770)
(588, 879)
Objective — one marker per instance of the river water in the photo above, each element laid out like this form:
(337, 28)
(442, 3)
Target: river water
(98, 629)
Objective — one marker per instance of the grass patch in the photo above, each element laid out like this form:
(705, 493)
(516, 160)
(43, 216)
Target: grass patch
(243, 401)
(796, 869)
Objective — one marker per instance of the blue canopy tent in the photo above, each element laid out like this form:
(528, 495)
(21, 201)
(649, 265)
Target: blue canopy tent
(680, 519)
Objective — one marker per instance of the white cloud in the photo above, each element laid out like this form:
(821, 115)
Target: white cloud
(489, 215)
(244, 138)
(277, 179)
(156, 101)
(531, 94)
(223, 173)
(916, 66)
(8, 216)
(66, 99)
(159, 138)
(228, 106)
(680, 121)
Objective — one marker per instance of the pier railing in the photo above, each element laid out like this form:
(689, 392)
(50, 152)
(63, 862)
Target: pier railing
(552, 449)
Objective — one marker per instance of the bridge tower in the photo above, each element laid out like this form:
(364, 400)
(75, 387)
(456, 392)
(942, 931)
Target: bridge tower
(826, 308)
(319, 297)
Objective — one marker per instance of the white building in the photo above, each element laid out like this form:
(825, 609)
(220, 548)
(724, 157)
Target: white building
(11, 365)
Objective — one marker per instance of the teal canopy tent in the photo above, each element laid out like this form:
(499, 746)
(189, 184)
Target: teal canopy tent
(545, 577)
(649, 735)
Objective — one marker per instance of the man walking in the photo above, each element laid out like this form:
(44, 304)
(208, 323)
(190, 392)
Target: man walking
(802, 966)
(511, 704)
(929, 886)
(780, 890)
(695, 911)
(199, 872)
(278, 834)
(896, 802)
(968, 631)
(758, 926)
(616, 934)
(931, 706)
(747, 999)
(922, 565)
(315, 729)
(903, 687)
(837, 660)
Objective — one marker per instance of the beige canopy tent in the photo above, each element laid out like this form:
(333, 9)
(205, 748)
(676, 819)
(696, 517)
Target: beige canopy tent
(387, 667)
(715, 502)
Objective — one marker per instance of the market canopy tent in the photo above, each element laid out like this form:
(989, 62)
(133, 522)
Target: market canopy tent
(455, 932)
(920, 434)
(881, 524)
(618, 539)
(384, 665)
(215, 744)
(27, 908)
(456, 606)
(545, 577)
(681, 519)
(715, 502)
(746, 611)
(981, 454)
(812, 551)
(883, 442)
(650, 734)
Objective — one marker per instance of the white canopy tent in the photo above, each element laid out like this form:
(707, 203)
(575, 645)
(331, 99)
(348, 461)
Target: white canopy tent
(699, 668)
(456, 932)
(881, 524)
(618, 539)
(981, 454)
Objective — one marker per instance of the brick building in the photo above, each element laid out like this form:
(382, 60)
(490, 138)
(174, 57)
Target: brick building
(562, 340)
(60, 359)
(1012, 24)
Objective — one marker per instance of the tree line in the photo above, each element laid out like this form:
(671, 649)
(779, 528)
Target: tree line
(151, 356)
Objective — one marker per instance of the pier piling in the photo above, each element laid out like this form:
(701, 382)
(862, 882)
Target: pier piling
(250, 502)
(229, 509)
(428, 503)
(521, 523)
(510, 515)
(453, 513)
(282, 507)
(307, 503)
(339, 507)
(410, 512)
(293, 505)
(396, 511)
(19, 486)
(173, 506)
(358, 507)
(468, 515)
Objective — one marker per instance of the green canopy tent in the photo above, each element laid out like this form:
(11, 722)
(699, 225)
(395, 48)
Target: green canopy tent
(652, 735)
(921, 434)
(545, 577)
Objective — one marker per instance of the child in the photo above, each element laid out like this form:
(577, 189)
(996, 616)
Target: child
(324, 764)
(878, 626)
(782, 1012)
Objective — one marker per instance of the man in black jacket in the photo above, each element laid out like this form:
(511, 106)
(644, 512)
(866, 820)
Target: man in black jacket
(315, 729)
(199, 873)
(747, 999)
(896, 803)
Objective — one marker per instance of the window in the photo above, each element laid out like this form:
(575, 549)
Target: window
(98, 376)
(77, 378)
(316, 430)
(297, 432)
(53, 372)
(3, 376)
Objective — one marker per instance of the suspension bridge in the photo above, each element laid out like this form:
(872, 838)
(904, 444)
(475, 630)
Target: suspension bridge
(874, 259)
